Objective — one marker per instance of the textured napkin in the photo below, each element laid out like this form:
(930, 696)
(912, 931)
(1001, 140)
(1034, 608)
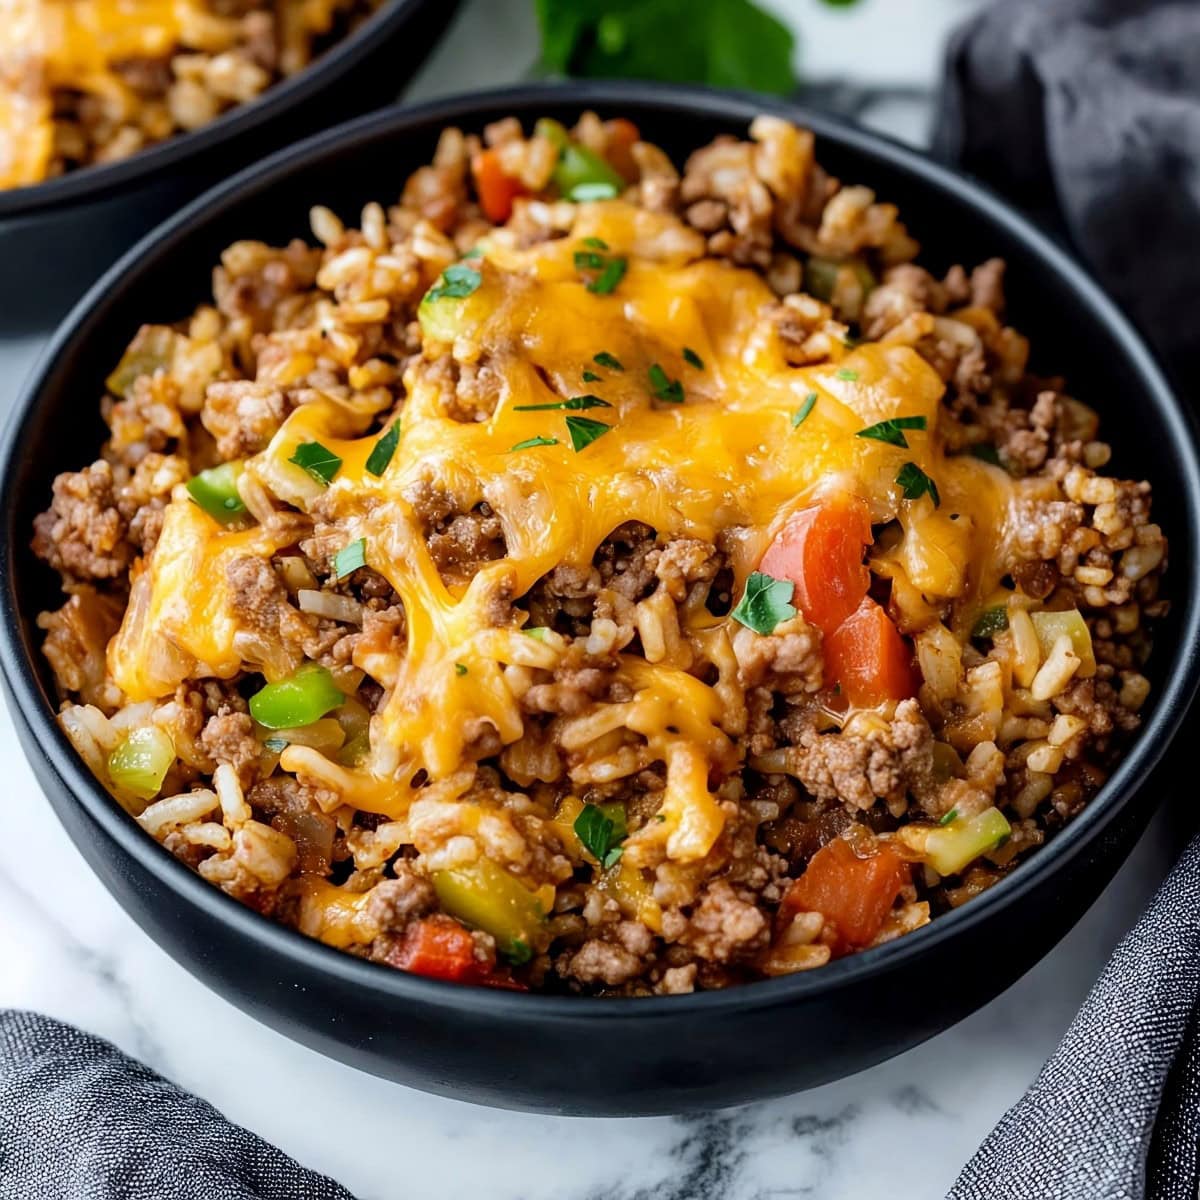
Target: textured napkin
(79, 1120)
(1087, 114)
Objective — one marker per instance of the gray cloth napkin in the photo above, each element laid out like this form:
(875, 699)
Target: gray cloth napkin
(79, 1120)
(1087, 114)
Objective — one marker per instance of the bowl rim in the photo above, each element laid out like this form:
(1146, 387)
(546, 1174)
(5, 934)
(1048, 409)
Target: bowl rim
(689, 103)
(92, 182)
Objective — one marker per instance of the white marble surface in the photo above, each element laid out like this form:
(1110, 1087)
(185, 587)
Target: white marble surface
(900, 1130)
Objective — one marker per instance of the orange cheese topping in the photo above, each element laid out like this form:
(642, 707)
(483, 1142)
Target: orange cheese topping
(727, 458)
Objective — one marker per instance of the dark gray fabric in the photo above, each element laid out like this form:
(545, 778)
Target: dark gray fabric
(81, 1121)
(1087, 112)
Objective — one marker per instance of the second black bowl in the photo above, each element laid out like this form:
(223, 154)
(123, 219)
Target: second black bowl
(664, 1054)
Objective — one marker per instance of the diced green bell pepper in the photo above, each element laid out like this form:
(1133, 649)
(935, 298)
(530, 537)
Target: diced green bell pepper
(141, 761)
(215, 490)
(950, 848)
(299, 700)
(485, 896)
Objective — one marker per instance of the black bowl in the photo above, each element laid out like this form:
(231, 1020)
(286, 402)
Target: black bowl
(665, 1054)
(57, 237)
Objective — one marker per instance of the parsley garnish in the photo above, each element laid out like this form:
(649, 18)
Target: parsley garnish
(589, 260)
(474, 252)
(595, 243)
(597, 189)
(604, 359)
(801, 414)
(847, 374)
(575, 404)
(765, 603)
(382, 451)
(350, 558)
(518, 952)
(592, 377)
(460, 668)
(320, 462)
(454, 283)
(537, 632)
(891, 431)
(584, 431)
(692, 358)
(991, 622)
(530, 443)
(601, 829)
(670, 390)
(987, 453)
(607, 280)
(950, 816)
(916, 484)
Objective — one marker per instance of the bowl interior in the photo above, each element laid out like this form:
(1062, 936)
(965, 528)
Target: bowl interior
(1074, 333)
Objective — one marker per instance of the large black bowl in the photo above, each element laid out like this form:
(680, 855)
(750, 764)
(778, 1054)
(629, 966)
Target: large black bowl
(57, 237)
(585, 1055)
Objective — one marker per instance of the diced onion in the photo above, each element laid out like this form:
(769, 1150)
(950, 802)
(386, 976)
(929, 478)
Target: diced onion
(330, 604)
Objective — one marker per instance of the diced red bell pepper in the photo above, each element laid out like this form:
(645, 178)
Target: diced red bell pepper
(820, 549)
(853, 894)
(869, 659)
(438, 947)
(496, 190)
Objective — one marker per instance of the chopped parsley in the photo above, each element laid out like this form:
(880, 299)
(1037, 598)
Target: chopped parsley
(670, 390)
(593, 189)
(517, 953)
(950, 816)
(574, 404)
(382, 451)
(610, 361)
(987, 453)
(591, 377)
(584, 431)
(801, 414)
(460, 669)
(537, 632)
(990, 622)
(350, 558)
(454, 283)
(916, 484)
(692, 358)
(530, 443)
(595, 243)
(892, 430)
(765, 603)
(319, 461)
(601, 829)
(589, 260)
(847, 374)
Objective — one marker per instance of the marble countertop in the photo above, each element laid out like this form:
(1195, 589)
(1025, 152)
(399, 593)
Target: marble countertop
(902, 1129)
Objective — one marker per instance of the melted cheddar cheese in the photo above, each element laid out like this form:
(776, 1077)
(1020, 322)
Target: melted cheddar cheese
(726, 460)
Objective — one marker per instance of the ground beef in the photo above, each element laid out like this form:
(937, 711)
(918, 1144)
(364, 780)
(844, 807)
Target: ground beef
(725, 926)
(76, 638)
(229, 737)
(83, 534)
(394, 903)
(599, 961)
(243, 415)
(260, 602)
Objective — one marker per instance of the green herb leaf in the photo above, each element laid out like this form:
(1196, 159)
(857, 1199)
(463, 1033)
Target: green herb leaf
(950, 816)
(531, 443)
(590, 260)
(765, 603)
(320, 462)
(455, 283)
(350, 558)
(670, 390)
(596, 189)
(584, 431)
(916, 484)
(382, 451)
(847, 374)
(692, 358)
(595, 243)
(474, 252)
(592, 377)
(537, 632)
(607, 280)
(987, 453)
(890, 431)
(574, 404)
(990, 622)
(604, 359)
(724, 43)
(598, 829)
(460, 668)
(801, 414)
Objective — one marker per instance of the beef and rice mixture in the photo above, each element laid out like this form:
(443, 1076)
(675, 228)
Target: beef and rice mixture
(592, 575)
(92, 81)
